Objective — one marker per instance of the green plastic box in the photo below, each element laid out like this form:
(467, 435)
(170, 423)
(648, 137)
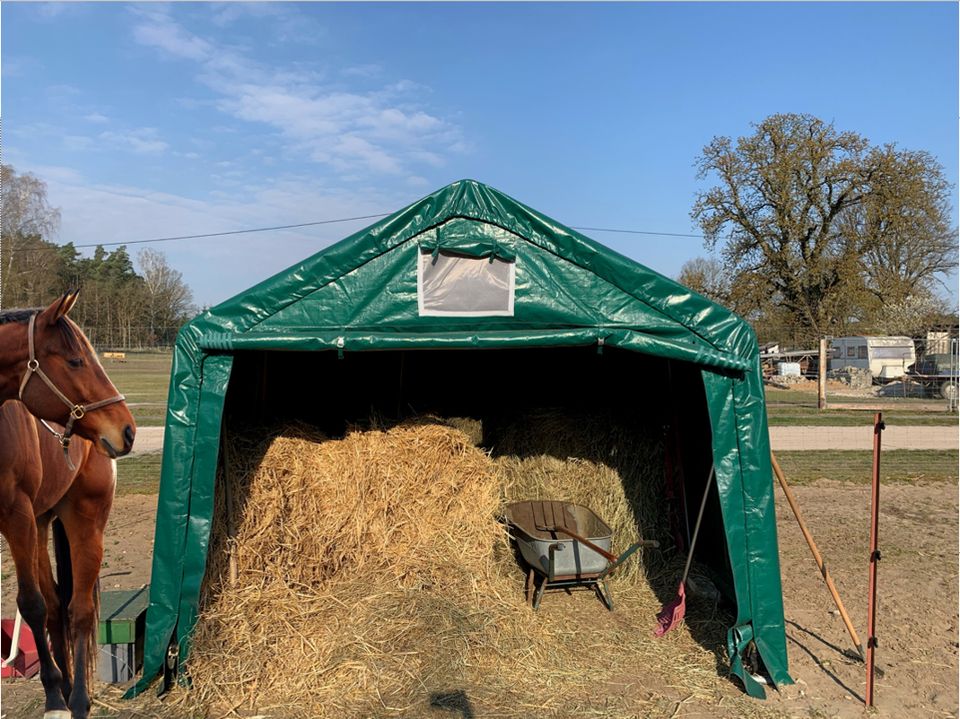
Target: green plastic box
(120, 633)
(122, 613)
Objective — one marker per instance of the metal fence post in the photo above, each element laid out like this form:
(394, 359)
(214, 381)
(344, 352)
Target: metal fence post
(878, 427)
(822, 376)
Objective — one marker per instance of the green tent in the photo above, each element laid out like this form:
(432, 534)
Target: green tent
(508, 295)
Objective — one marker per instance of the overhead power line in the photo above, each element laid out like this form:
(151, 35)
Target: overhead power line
(235, 232)
(275, 228)
(638, 232)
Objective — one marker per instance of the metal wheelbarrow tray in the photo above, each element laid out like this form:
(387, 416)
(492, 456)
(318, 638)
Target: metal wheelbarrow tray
(556, 559)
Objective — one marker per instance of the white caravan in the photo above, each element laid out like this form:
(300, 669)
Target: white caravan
(887, 358)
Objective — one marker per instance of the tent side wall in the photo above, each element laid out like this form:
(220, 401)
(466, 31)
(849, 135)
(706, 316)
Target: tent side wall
(744, 476)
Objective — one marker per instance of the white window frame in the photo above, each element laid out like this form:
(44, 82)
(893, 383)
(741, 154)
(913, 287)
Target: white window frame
(511, 288)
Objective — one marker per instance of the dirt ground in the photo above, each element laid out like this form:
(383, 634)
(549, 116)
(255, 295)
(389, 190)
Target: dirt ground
(917, 600)
(917, 625)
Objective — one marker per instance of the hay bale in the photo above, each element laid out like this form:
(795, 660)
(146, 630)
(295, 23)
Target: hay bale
(368, 576)
(364, 572)
(613, 467)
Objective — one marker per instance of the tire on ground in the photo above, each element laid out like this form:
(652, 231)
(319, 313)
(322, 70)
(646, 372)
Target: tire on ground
(949, 390)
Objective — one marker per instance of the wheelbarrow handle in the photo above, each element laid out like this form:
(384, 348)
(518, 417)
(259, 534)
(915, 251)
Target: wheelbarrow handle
(584, 541)
(627, 554)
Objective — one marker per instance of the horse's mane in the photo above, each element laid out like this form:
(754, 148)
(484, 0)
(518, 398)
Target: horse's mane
(68, 330)
(17, 315)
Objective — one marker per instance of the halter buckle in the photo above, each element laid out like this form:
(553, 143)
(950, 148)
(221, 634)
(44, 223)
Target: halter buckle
(77, 412)
(33, 365)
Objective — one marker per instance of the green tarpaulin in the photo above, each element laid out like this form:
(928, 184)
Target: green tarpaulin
(564, 290)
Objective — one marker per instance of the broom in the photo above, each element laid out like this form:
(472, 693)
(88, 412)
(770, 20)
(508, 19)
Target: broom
(672, 613)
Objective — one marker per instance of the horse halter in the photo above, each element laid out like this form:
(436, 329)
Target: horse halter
(77, 411)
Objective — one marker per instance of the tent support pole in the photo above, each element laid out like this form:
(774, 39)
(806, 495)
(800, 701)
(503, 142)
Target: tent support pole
(816, 554)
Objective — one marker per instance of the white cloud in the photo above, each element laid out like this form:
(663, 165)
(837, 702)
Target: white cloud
(57, 173)
(97, 118)
(366, 71)
(159, 31)
(143, 141)
(75, 143)
(383, 131)
(287, 24)
(227, 13)
(56, 10)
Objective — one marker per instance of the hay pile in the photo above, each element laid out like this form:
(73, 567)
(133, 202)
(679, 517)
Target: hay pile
(615, 468)
(364, 573)
(368, 576)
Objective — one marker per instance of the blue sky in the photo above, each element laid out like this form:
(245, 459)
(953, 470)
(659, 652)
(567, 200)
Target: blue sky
(149, 119)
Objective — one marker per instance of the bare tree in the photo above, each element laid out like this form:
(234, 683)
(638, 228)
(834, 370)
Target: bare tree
(167, 296)
(26, 218)
(707, 276)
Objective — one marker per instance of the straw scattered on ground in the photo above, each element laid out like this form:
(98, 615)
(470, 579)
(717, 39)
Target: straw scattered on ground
(369, 576)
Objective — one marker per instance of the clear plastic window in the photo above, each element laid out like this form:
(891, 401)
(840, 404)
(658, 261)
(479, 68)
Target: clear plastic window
(455, 285)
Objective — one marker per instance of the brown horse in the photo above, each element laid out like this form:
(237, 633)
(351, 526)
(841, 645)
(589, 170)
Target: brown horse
(48, 363)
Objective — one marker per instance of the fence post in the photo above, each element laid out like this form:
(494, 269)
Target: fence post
(878, 426)
(822, 376)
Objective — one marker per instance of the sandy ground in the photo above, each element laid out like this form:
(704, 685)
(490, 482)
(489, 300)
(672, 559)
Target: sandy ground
(917, 625)
(149, 439)
(917, 600)
(843, 438)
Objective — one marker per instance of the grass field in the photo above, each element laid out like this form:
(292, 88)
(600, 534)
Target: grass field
(139, 474)
(143, 377)
(896, 466)
(797, 407)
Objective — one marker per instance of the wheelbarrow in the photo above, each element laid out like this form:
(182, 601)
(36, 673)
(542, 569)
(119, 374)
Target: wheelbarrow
(565, 545)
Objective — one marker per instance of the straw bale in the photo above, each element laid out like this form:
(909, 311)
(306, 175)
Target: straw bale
(363, 571)
(368, 576)
(612, 466)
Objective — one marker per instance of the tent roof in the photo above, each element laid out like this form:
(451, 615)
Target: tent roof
(680, 322)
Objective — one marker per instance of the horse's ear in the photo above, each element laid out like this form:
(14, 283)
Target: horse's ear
(70, 299)
(59, 307)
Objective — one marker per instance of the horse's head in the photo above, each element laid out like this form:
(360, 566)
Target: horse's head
(74, 385)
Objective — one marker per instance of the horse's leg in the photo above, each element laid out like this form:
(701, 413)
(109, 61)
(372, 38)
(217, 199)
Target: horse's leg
(22, 539)
(84, 515)
(48, 587)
